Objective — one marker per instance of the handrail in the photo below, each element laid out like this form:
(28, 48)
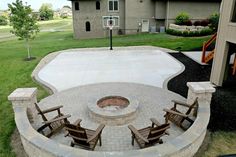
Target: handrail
(206, 45)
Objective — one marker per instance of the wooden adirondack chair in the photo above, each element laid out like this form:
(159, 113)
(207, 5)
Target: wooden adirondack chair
(53, 125)
(178, 118)
(83, 137)
(150, 135)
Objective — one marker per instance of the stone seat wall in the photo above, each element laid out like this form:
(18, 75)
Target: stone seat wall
(185, 145)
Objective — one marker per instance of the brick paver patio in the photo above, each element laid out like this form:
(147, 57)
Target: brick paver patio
(151, 101)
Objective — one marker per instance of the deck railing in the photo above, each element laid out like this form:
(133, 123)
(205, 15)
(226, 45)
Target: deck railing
(206, 57)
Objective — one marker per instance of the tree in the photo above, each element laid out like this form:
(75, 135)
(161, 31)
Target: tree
(24, 23)
(214, 21)
(3, 20)
(182, 18)
(46, 12)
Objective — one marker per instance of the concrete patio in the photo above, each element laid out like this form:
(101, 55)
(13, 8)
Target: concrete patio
(145, 65)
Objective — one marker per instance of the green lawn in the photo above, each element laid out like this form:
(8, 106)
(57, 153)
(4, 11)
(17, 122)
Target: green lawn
(52, 25)
(15, 72)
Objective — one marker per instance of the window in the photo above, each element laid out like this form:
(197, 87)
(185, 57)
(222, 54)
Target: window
(76, 5)
(113, 5)
(234, 13)
(87, 26)
(97, 5)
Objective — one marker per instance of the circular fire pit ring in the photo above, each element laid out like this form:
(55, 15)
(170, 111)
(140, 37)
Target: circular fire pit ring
(113, 103)
(113, 110)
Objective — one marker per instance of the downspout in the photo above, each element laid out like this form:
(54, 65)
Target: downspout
(167, 14)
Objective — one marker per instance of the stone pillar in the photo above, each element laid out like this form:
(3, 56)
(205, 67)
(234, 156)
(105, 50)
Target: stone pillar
(202, 90)
(25, 98)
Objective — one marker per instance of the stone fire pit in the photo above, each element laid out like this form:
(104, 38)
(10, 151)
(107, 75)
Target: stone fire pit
(113, 103)
(113, 110)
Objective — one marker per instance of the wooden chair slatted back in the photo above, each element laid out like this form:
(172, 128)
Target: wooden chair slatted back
(40, 112)
(79, 132)
(192, 106)
(156, 132)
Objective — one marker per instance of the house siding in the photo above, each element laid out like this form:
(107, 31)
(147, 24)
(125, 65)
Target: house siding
(89, 13)
(136, 11)
(132, 12)
(196, 10)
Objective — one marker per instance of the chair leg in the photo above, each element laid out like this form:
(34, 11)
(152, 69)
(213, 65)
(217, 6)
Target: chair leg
(160, 141)
(132, 141)
(100, 140)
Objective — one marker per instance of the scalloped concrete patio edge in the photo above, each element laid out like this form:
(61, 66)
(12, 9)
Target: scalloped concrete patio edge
(47, 59)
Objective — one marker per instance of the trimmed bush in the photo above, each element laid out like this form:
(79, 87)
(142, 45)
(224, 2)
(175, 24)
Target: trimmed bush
(197, 34)
(169, 31)
(185, 33)
(182, 18)
(3, 20)
(204, 32)
(197, 23)
(204, 23)
(189, 23)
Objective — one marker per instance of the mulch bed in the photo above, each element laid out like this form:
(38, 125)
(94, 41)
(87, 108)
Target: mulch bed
(223, 105)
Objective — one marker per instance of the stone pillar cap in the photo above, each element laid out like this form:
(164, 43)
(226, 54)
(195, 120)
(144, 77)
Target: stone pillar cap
(22, 94)
(201, 87)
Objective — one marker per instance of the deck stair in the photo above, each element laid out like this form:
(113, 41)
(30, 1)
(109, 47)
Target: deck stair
(208, 56)
(234, 66)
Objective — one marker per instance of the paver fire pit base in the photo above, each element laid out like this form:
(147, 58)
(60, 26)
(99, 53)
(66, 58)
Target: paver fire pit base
(113, 110)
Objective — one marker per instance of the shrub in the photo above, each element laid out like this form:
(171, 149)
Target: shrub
(185, 33)
(197, 23)
(174, 32)
(214, 21)
(192, 34)
(197, 33)
(204, 23)
(3, 20)
(182, 18)
(64, 16)
(46, 12)
(169, 31)
(206, 31)
(178, 33)
(189, 23)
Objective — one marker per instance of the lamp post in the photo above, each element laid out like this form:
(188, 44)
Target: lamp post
(110, 27)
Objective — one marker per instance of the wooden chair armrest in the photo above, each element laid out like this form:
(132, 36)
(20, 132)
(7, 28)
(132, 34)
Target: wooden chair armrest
(155, 122)
(57, 119)
(97, 133)
(136, 133)
(77, 122)
(181, 103)
(52, 109)
(177, 113)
